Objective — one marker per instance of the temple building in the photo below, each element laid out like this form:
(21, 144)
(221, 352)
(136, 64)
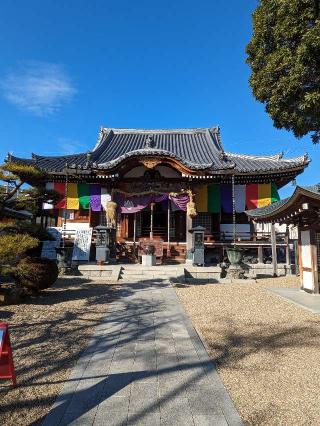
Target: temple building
(302, 210)
(158, 184)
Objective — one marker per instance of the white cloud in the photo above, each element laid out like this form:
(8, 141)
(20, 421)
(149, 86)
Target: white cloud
(69, 146)
(39, 88)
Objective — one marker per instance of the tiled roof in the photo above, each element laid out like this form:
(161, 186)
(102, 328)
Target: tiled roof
(198, 149)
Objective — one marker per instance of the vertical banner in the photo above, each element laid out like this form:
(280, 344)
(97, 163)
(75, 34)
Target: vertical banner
(82, 244)
(226, 198)
(84, 196)
(202, 199)
(105, 198)
(214, 199)
(95, 197)
(61, 188)
(252, 196)
(240, 198)
(264, 194)
(49, 187)
(274, 193)
(72, 196)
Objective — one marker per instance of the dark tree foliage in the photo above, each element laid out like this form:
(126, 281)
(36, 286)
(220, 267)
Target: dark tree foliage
(14, 195)
(284, 56)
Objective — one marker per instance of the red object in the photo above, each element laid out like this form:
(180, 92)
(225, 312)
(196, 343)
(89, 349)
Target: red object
(6, 358)
(61, 188)
(252, 196)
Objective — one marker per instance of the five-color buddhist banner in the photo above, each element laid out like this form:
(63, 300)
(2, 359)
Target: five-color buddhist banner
(209, 198)
(215, 198)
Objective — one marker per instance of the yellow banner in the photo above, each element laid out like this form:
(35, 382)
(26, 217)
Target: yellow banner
(264, 194)
(72, 196)
(202, 199)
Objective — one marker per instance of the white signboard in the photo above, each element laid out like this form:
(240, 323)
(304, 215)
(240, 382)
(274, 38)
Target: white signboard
(306, 249)
(49, 247)
(82, 244)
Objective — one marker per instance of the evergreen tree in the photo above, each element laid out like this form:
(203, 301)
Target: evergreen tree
(284, 56)
(23, 188)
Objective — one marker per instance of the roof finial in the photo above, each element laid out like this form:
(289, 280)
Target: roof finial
(149, 141)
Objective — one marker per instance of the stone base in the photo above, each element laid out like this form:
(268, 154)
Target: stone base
(148, 260)
(235, 272)
(260, 270)
(194, 274)
(100, 272)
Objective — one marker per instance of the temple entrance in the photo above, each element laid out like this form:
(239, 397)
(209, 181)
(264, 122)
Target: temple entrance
(138, 225)
(160, 224)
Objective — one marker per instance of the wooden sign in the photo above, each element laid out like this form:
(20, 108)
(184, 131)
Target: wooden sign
(49, 247)
(6, 358)
(82, 244)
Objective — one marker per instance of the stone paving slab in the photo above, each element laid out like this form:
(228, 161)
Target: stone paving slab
(310, 302)
(145, 365)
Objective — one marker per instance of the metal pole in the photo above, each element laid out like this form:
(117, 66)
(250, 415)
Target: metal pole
(168, 251)
(233, 212)
(134, 228)
(65, 209)
(151, 221)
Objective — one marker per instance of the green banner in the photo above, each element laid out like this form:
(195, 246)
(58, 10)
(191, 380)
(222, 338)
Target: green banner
(274, 193)
(84, 195)
(214, 203)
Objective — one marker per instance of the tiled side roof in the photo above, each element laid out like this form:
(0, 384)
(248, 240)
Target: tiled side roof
(198, 149)
(251, 163)
(266, 211)
(274, 208)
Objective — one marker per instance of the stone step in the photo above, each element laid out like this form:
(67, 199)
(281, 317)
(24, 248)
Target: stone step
(148, 272)
(142, 278)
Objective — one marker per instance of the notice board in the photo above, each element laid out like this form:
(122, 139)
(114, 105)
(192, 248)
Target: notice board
(82, 244)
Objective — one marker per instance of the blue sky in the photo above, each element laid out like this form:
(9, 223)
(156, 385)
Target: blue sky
(69, 67)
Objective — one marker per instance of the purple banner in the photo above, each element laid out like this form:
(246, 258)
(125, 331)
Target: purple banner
(226, 198)
(95, 197)
(133, 204)
(180, 201)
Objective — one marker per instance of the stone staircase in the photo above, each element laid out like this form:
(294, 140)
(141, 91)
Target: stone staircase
(138, 273)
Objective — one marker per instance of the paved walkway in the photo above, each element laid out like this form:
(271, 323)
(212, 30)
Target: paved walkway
(144, 366)
(310, 302)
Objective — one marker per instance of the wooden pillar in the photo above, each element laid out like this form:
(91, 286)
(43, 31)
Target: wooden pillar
(260, 254)
(288, 262)
(274, 250)
(188, 236)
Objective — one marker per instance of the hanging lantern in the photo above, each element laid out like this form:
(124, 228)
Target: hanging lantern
(111, 213)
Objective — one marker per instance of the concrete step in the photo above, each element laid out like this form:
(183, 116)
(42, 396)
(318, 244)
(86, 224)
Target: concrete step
(141, 278)
(152, 273)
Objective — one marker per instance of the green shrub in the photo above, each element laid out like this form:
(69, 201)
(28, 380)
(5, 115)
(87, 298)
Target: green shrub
(12, 247)
(36, 273)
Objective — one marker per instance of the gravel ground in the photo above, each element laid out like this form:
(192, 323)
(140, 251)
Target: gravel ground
(48, 334)
(267, 350)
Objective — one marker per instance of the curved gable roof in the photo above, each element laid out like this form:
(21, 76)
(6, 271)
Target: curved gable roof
(198, 149)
